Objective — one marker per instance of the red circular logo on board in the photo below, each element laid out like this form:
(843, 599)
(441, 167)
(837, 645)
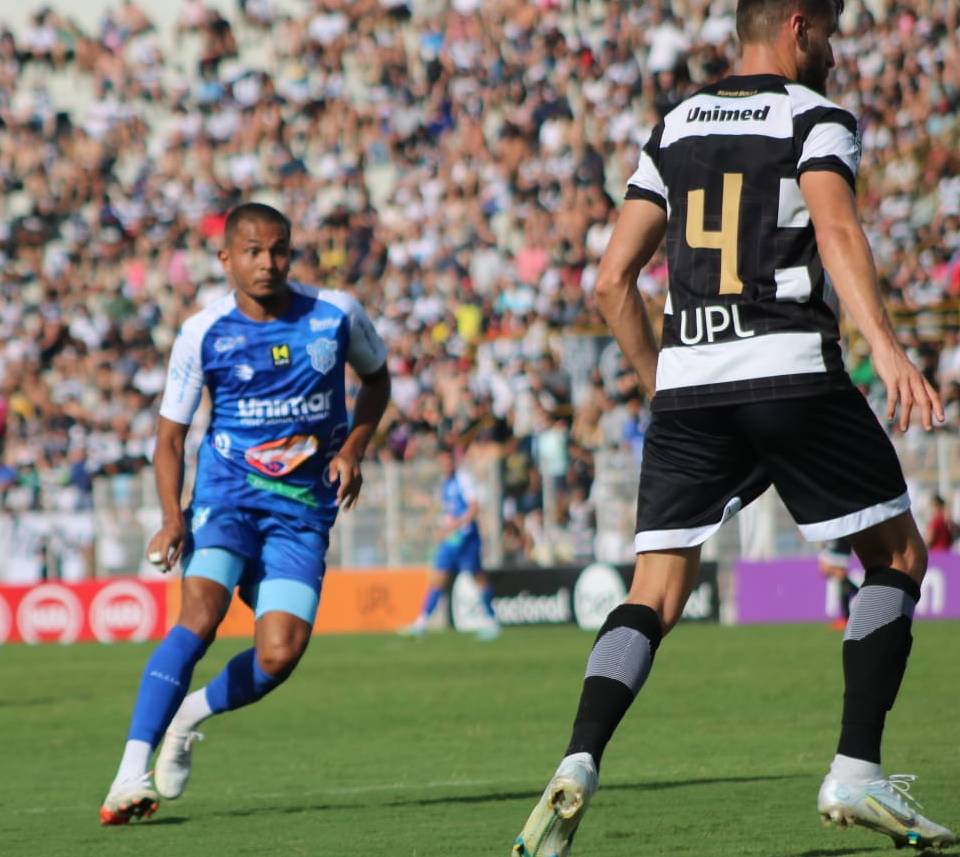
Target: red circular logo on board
(50, 613)
(6, 620)
(123, 610)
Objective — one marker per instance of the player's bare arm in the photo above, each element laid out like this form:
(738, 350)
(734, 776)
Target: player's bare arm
(639, 231)
(372, 401)
(847, 258)
(166, 546)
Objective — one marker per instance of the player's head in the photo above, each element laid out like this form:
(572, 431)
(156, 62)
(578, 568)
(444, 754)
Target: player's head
(801, 28)
(256, 250)
(447, 461)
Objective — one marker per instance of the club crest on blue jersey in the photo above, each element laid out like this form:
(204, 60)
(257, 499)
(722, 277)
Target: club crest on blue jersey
(323, 354)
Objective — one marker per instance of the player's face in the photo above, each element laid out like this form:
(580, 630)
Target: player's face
(446, 464)
(257, 259)
(814, 53)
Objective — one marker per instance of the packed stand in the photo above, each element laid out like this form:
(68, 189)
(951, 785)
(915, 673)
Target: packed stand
(458, 169)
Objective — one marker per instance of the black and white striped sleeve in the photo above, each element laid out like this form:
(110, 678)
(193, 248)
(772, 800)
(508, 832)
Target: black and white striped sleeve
(827, 138)
(647, 182)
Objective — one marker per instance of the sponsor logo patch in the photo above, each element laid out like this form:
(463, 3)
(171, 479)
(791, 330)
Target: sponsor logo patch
(318, 324)
(200, 517)
(280, 457)
(312, 408)
(280, 354)
(297, 493)
(244, 371)
(223, 344)
(222, 443)
(323, 354)
(724, 114)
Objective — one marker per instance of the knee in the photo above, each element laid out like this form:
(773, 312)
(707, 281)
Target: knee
(201, 618)
(279, 657)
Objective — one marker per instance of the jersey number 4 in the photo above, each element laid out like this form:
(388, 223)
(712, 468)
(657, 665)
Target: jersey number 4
(726, 239)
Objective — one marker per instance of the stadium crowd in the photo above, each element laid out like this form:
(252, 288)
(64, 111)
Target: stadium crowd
(457, 166)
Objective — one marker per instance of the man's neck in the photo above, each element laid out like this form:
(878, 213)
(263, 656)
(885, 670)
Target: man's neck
(764, 58)
(264, 310)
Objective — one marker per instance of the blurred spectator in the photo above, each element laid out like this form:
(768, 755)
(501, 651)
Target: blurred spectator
(456, 166)
(940, 529)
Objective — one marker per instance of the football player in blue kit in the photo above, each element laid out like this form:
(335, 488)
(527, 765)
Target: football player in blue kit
(281, 455)
(459, 549)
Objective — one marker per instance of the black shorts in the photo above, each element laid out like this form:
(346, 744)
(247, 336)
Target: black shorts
(827, 455)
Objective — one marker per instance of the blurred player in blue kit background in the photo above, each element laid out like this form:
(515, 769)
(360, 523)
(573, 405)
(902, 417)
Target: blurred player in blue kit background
(281, 455)
(460, 548)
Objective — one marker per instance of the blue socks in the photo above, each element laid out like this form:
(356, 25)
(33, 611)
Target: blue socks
(431, 601)
(239, 683)
(486, 598)
(166, 679)
(434, 594)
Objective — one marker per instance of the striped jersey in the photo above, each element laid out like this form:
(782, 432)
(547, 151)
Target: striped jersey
(750, 314)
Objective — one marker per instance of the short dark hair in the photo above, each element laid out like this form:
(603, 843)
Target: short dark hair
(253, 211)
(759, 20)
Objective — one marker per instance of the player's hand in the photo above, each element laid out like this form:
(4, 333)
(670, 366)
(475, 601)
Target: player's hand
(165, 548)
(907, 388)
(346, 469)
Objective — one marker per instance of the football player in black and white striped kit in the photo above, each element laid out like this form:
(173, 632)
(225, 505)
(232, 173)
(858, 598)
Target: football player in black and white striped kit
(752, 182)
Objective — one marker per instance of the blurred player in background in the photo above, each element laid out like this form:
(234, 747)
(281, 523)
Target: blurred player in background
(751, 181)
(940, 529)
(834, 563)
(280, 457)
(460, 548)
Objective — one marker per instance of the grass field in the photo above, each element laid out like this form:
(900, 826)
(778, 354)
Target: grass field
(409, 748)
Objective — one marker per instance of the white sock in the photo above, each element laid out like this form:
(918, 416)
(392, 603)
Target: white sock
(850, 770)
(133, 764)
(192, 712)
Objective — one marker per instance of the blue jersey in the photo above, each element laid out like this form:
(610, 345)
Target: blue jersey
(456, 495)
(278, 408)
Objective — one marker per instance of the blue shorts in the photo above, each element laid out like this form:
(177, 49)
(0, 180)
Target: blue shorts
(458, 553)
(277, 561)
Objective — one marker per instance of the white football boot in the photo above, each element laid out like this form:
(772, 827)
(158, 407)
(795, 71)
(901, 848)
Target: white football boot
(885, 806)
(129, 799)
(550, 828)
(174, 761)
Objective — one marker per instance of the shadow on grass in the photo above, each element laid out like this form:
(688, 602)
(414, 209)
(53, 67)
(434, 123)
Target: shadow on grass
(837, 852)
(489, 797)
(43, 700)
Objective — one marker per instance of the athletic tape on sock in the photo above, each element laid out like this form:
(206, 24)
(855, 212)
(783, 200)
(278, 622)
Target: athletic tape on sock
(622, 654)
(625, 646)
(879, 603)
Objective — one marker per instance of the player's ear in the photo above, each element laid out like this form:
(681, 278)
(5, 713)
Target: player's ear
(798, 24)
(224, 256)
